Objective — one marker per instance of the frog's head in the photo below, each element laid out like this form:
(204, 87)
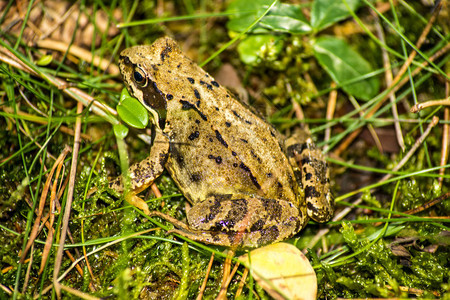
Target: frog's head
(139, 66)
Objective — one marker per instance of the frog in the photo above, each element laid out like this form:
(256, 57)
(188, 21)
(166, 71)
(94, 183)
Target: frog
(247, 184)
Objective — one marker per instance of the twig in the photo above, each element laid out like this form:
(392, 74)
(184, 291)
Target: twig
(419, 106)
(31, 104)
(83, 54)
(370, 127)
(389, 78)
(156, 191)
(226, 275)
(79, 294)
(241, 283)
(428, 204)
(226, 280)
(5, 289)
(331, 107)
(445, 137)
(203, 287)
(236, 266)
(65, 225)
(299, 115)
(27, 274)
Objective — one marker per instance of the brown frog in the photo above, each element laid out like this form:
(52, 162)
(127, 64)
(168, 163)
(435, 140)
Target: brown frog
(247, 185)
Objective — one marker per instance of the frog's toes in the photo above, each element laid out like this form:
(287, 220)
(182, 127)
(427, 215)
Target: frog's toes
(138, 202)
(321, 210)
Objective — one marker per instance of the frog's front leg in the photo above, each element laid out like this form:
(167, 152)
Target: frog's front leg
(142, 174)
(241, 221)
(311, 168)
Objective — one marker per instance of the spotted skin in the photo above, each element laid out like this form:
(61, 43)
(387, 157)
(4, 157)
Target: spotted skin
(246, 187)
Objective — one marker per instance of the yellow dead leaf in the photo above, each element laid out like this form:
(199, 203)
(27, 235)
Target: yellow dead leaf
(283, 271)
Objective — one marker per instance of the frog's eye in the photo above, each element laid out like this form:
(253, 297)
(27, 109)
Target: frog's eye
(139, 77)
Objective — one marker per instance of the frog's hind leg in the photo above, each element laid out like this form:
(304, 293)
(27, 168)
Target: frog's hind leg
(312, 170)
(239, 240)
(219, 238)
(245, 221)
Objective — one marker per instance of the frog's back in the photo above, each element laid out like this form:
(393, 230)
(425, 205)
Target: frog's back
(218, 146)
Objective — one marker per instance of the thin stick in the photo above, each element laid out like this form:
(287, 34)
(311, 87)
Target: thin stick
(389, 79)
(242, 282)
(65, 225)
(156, 191)
(236, 266)
(5, 289)
(299, 114)
(83, 54)
(419, 106)
(27, 274)
(331, 107)
(60, 22)
(445, 137)
(203, 287)
(428, 204)
(226, 273)
(227, 280)
(78, 293)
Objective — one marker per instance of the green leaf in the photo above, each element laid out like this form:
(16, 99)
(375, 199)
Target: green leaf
(345, 65)
(44, 60)
(286, 18)
(120, 131)
(124, 94)
(256, 47)
(324, 13)
(244, 13)
(281, 18)
(131, 111)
